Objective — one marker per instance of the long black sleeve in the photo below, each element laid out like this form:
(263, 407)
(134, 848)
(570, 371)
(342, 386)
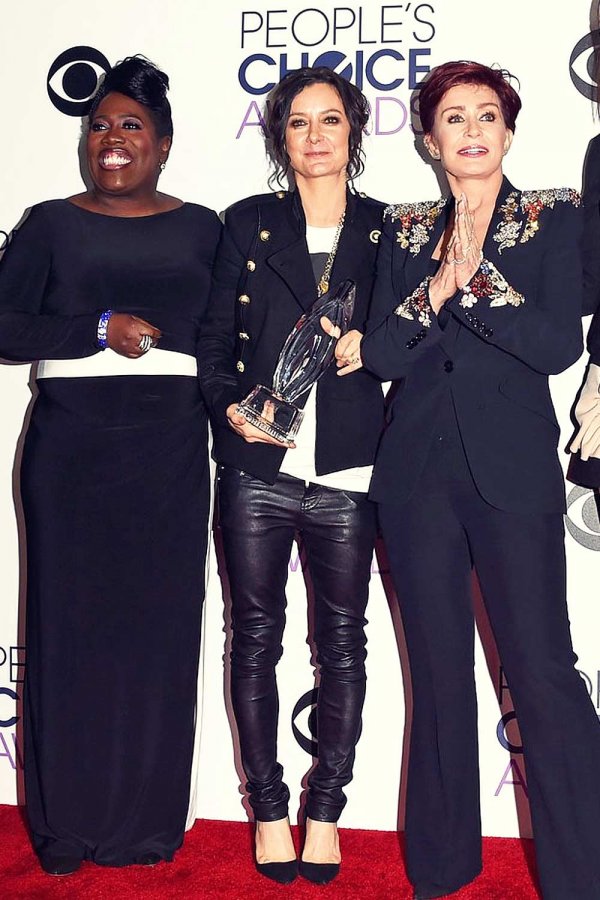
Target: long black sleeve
(591, 228)
(26, 331)
(216, 345)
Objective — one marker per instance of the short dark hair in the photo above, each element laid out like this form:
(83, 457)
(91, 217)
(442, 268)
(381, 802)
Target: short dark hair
(277, 110)
(449, 74)
(140, 79)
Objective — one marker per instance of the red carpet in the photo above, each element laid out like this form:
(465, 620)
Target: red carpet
(215, 862)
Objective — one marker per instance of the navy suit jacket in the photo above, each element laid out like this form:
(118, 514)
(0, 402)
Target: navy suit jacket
(262, 283)
(520, 323)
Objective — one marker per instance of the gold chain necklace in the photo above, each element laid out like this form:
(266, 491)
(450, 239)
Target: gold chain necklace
(323, 285)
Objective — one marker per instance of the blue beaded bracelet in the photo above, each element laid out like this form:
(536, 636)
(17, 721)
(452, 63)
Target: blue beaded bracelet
(101, 331)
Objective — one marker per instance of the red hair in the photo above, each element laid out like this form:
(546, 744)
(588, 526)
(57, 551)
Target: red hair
(449, 74)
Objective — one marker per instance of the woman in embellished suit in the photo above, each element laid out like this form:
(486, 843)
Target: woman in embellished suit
(275, 250)
(106, 289)
(477, 302)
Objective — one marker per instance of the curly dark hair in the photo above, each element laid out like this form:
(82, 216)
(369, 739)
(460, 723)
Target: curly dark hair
(140, 79)
(449, 74)
(277, 110)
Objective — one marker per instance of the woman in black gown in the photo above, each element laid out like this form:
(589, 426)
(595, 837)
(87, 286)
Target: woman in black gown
(114, 486)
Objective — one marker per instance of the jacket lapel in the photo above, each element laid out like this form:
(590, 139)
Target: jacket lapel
(353, 243)
(494, 236)
(418, 266)
(291, 261)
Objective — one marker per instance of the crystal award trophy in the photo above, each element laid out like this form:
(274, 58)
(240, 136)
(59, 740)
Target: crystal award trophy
(307, 352)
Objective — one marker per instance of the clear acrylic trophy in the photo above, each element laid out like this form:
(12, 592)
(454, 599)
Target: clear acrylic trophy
(306, 354)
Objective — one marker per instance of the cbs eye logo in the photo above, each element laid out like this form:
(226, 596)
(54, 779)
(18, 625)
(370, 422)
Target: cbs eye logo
(5, 237)
(304, 719)
(307, 705)
(73, 78)
(581, 520)
(583, 65)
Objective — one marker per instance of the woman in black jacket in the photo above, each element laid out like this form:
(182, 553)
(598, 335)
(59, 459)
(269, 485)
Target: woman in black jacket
(584, 467)
(477, 301)
(275, 250)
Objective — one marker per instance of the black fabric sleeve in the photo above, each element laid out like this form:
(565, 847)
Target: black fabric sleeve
(591, 228)
(216, 344)
(26, 333)
(394, 341)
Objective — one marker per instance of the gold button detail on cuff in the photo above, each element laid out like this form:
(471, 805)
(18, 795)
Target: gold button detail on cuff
(265, 235)
(244, 299)
(251, 265)
(240, 366)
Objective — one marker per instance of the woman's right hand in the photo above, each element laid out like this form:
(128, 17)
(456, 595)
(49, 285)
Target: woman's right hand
(443, 285)
(251, 433)
(125, 332)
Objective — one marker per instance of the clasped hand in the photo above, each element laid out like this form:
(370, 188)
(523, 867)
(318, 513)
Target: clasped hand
(461, 259)
(126, 335)
(347, 349)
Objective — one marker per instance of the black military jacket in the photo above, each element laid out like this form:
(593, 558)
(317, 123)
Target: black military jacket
(263, 282)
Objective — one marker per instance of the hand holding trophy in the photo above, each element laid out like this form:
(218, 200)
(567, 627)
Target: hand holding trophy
(306, 354)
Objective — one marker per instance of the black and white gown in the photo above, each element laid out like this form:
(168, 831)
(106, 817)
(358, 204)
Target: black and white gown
(115, 491)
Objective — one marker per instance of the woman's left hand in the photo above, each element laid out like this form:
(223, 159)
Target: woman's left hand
(464, 253)
(347, 353)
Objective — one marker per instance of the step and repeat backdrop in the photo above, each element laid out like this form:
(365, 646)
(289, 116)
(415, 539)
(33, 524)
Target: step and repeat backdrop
(222, 60)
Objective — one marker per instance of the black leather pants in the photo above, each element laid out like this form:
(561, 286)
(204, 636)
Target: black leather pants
(337, 528)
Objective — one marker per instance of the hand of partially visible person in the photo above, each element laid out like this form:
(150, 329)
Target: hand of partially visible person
(347, 350)
(587, 413)
(251, 433)
(131, 336)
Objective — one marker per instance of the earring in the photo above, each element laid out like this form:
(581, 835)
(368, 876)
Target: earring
(162, 166)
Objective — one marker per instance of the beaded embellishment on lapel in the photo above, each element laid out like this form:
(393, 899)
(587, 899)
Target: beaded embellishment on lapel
(519, 220)
(417, 220)
(489, 282)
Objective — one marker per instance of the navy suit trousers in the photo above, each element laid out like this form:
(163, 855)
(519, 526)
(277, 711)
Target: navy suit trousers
(434, 541)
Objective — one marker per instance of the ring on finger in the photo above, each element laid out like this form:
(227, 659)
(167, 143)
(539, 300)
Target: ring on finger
(353, 360)
(459, 262)
(145, 343)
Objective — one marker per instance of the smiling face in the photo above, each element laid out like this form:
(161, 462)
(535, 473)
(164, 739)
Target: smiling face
(317, 133)
(123, 151)
(469, 132)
